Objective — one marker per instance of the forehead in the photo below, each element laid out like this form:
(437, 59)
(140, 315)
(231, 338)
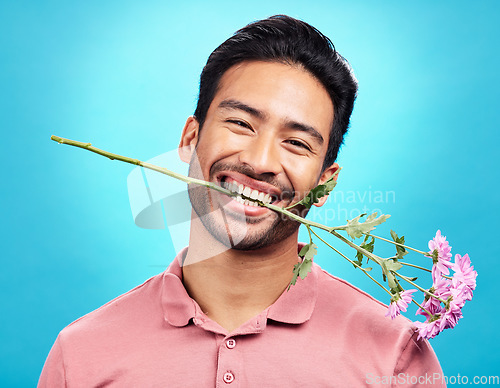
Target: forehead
(282, 91)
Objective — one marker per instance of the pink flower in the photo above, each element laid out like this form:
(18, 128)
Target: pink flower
(465, 292)
(441, 254)
(453, 311)
(399, 303)
(457, 296)
(440, 284)
(464, 277)
(428, 329)
(450, 317)
(432, 305)
(440, 287)
(442, 318)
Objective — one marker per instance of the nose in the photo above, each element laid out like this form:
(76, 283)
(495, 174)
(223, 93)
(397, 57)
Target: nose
(262, 154)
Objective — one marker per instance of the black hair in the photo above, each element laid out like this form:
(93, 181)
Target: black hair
(281, 38)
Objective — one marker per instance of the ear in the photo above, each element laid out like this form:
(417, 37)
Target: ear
(189, 139)
(329, 171)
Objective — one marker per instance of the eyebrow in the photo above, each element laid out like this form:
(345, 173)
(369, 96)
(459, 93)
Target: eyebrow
(291, 124)
(234, 104)
(307, 129)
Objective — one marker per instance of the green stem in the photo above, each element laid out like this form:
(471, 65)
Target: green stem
(296, 217)
(422, 307)
(420, 288)
(310, 237)
(363, 251)
(352, 262)
(414, 266)
(422, 268)
(401, 245)
(89, 147)
(331, 177)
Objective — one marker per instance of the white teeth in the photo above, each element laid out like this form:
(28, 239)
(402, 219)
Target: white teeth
(247, 192)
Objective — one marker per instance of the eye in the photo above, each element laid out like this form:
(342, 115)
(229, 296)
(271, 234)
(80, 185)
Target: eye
(240, 123)
(297, 143)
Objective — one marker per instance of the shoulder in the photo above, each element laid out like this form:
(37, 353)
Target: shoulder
(358, 312)
(125, 311)
(385, 346)
(347, 296)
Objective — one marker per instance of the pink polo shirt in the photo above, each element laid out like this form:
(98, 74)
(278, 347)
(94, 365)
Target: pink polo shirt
(322, 333)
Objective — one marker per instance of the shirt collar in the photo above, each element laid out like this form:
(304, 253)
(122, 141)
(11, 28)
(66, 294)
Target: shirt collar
(294, 306)
(178, 307)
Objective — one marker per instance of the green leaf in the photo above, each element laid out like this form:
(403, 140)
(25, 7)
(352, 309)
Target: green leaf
(319, 191)
(391, 280)
(392, 265)
(400, 251)
(300, 269)
(388, 267)
(296, 269)
(303, 268)
(356, 229)
(397, 289)
(359, 259)
(308, 251)
(369, 246)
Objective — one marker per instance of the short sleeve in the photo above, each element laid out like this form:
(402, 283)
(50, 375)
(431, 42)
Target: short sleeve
(418, 366)
(53, 374)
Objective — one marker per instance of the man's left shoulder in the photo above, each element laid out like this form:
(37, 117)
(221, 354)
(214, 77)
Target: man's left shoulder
(353, 323)
(357, 308)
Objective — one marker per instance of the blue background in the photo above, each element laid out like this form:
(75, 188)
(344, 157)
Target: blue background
(124, 75)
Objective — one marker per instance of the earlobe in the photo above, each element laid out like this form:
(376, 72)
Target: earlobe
(189, 139)
(329, 171)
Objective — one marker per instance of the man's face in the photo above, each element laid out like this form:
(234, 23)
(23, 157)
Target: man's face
(265, 134)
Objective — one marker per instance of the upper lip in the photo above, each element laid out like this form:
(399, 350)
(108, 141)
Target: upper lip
(264, 187)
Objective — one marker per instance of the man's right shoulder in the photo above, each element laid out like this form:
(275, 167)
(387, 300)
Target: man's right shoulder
(124, 311)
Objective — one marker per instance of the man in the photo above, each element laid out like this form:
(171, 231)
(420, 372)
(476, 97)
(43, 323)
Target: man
(274, 103)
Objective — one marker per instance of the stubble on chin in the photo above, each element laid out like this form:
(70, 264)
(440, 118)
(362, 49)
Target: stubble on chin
(234, 230)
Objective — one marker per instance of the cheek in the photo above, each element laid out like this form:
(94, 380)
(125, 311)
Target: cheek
(303, 176)
(215, 145)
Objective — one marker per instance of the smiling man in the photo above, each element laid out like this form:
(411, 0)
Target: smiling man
(274, 104)
(266, 131)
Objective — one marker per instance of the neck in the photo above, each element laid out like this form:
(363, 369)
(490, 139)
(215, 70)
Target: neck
(232, 286)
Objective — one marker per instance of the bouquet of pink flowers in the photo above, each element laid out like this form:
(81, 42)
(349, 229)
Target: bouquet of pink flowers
(443, 302)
